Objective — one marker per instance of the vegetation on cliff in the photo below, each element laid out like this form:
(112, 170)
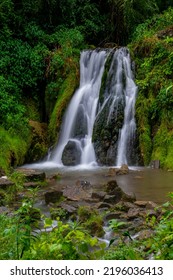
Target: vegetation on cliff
(152, 49)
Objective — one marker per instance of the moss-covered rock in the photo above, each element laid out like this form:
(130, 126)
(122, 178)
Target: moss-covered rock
(12, 150)
(91, 220)
(67, 89)
(38, 141)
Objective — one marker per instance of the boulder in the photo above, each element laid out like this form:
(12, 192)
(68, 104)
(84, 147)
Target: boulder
(133, 213)
(113, 199)
(123, 170)
(98, 195)
(53, 196)
(155, 164)
(141, 203)
(112, 172)
(69, 208)
(111, 187)
(127, 205)
(32, 175)
(103, 205)
(151, 205)
(144, 234)
(113, 215)
(71, 154)
(5, 183)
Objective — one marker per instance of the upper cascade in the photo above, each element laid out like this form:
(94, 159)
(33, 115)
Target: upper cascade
(99, 123)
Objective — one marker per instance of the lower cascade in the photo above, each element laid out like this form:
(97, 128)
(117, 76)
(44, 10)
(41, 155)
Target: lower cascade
(99, 124)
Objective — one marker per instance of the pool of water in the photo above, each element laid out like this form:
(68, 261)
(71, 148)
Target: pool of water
(145, 183)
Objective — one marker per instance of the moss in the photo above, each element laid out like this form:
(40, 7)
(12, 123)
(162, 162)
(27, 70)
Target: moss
(152, 51)
(144, 128)
(32, 112)
(38, 141)
(163, 147)
(12, 150)
(91, 220)
(67, 89)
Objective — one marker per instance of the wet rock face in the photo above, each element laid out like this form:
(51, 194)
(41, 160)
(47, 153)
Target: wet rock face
(71, 154)
(80, 125)
(38, 143)
(106, 131)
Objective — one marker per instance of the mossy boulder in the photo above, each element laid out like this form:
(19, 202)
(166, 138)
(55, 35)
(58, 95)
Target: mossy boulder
(38, 141)
(91, 220)
(53, 196)
(13, 149)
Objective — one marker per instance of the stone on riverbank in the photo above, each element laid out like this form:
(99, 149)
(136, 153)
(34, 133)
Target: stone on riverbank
(32, 175)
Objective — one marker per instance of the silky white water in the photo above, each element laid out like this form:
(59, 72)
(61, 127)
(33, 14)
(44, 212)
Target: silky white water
(75, 146)
(85, 99)
(127, 133)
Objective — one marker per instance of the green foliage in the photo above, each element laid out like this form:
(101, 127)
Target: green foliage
(115, 225)
(19, 238)
(162, 241)
(17, 232)
(11, 193)
(126, 15)
(21, 63)
(157, 23)
(12, 149)
(163, 146)
(124, 252)
(11, 109)
(66, 241)
(84, 15)
(152, 47)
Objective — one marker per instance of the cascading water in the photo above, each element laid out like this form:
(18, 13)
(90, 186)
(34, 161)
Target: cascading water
(127, 133)
(116, 114)
(75, 143)
(99, 124)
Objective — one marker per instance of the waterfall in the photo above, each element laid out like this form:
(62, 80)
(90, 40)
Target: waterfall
(75, 144)
(95, 128)
(127, 133)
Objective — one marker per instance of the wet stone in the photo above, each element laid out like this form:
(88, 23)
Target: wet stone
(111, 199)
(53, 196)
(5, 183)
(113, 215)
(98, 195)
(71, 154)
(133, 213)
(32, 175)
